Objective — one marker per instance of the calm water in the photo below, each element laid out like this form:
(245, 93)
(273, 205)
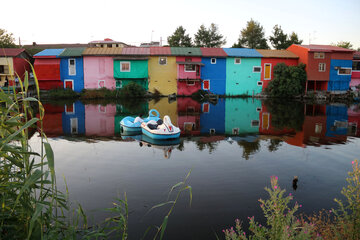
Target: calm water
(232, 148)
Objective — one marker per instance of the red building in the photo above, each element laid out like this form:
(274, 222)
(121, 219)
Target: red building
(355, 75)
(320, 61)
(52, 121)
(270, 59)
(47, 69)
(189, 64)
(14, 62)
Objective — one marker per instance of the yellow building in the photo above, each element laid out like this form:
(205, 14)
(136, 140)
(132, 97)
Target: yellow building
(165, 108)
(162, 71)
(14, 62)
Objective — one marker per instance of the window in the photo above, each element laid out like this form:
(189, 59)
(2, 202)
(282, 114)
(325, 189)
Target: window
(318, 128)
(356, 66)
(259, 83)
(206, 108)
(213, 61)
(267, 72)
(257, 69)
(101, 83)
(190, 68)
(322, 67)
(237, 60)
(344, 71)
(235, 131)
(73, 125)
(118, 84)
(187, 59)
(124, 66)
(212, 131)
(102, 109)
(70, 109)
(4, 69)
(319, 55)
(255, 123)
(189, 126)
(190, 82)
(69, 84)
(162, 60)
(258, 109)
(206, 84)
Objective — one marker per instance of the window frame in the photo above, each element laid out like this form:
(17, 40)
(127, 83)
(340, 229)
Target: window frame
(237, 59)
(320, 69)
(207, 80)
(68, 112)
(69, 60)
(189, 65)
(259, 83)
(257, 67)
(190, 84)
(255, 121)
(99, 83)
(125, 62)
(160, 61)
(211, 60)
(203, 108)
(319, 55)
(69, 80)
(267, 64)
(71, 125)
(338, 72)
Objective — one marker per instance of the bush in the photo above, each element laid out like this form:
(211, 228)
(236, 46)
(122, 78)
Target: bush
(59, 93)
(289, 81)
(132, 90)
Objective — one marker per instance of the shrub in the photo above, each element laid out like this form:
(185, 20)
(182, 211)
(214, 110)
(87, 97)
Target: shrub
(132, 90)
(289, 81)
(60, 93)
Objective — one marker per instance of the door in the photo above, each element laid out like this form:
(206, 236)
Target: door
(69, 84)
(267, 72)
(206, 85)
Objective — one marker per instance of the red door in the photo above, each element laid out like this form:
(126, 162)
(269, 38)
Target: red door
(69, 84)
(206, 84)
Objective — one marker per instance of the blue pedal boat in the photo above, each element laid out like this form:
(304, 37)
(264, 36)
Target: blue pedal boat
(128, 127)
(163, 131)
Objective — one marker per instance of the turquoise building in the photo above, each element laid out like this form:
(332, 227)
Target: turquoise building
(242, 116)
(243, 71)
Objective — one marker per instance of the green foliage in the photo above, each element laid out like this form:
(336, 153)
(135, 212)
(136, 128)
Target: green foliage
(280, 40)
(6, 39)
(209, 37)
(179, 38)
(289, 81)
(344, 44)
(62, 93)
(281, 222)
(286, 114)
(252, 36)
(249, 148)
(132, 90)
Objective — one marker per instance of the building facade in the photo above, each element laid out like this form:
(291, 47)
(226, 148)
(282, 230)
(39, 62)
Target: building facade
(72, 68)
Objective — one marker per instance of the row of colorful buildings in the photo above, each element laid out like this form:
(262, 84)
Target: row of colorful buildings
(183, 71)
(238, 118)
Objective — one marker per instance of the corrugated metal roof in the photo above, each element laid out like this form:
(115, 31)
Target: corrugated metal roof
(160, 51)
(276, 53)
(356, 55)
(213, 52)
(97, 51)
(10, 52)
(325, 48)
(72, 52)
(185, 51)
(131, 58)
(49, 52)
(135, 51)
(242, 52)
(190, 63)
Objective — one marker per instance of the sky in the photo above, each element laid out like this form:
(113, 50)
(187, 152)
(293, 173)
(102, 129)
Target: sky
(137, 21)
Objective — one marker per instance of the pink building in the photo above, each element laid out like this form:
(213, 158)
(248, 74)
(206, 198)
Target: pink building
(99, 67)
(355, 75)
(100, 120)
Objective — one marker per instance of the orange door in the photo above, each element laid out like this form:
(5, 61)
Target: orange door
(267, 72)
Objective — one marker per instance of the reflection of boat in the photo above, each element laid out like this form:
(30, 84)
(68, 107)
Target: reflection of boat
(160, 130)
(129, 127)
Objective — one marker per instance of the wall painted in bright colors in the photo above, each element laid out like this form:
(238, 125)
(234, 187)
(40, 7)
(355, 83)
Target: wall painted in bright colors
(339, 82)
(216, 73)
(163, 77)
(78, 78)
(98, 72)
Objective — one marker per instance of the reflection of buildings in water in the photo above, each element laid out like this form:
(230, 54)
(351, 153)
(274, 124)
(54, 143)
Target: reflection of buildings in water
(212, 119)
(165, 108)
(354, 120)
(133, 109)
(99, 120)
(73, 118)
(189, 112)
(52, 121)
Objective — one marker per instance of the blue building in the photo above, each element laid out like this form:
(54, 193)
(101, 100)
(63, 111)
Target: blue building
(213, 72)
(212, 118)
(340, 75)
(73, 119)
(72, 68)
(336, 120)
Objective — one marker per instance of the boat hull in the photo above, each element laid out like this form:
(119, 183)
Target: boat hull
(160, 136)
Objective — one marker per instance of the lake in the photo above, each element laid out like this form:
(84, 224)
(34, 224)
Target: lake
(231, 147)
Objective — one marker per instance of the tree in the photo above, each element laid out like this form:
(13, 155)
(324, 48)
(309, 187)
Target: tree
(179, 38)
(253, 36)
(6, 39)
(280, 40)
(344, 44)
(209, 37)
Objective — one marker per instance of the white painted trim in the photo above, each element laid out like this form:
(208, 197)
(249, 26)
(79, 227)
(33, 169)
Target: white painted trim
(73, 111)
(338, 72)
(234, 130)
(71, 125)
(99, 109)
(236, 62)
(258, 109)
(212, 60)
(212, 131)
(121, 84)
(259, 83)
(187, 82)
(207, 80)
(165, 61)
(74, 67)
(255, 123)
(320, 53)
(267, 64)
(99, 83)
(69, 80)
(324, 67)
(126, 70)
(257, 67)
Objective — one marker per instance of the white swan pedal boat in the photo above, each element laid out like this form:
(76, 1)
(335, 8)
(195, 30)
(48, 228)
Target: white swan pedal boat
(129, 127)
(161, 129)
